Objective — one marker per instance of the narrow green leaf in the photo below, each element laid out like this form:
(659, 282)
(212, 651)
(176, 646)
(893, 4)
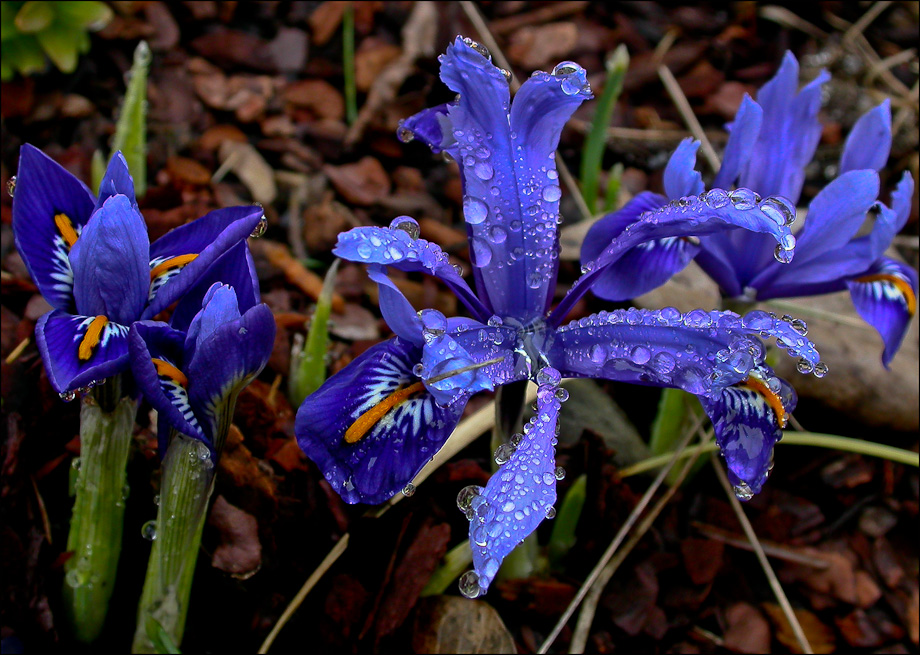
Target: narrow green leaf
(131, 129)
(161, 640)
(97, 170)
(348, 63)
(457, 560)
(614, 178)
(596, 143)
(562, 537)
(308, 362)
(669, 421)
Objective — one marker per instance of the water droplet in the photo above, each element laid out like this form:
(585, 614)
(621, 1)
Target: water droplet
(800, 326)
(534, 280)
(743, 199)
(804, 366)
(551, 193)
(716, 198)
(664, 362)
(68, 396)
(641, 355)
(574, 78)
(466, 496)
(782, 255)
(469, 584)
(779, 210)
(498, 234)
(506, 74)
(125, 491)
(404, 134)
(478, 47)
(483, 170)
(260, 228)
(459, 269)
(75, 578)
(408, 490)
(820, 370)
(475, 210)
(562, 395)
(156, 500)
(516, 439)
(743, 492)
(149, 530)
(503, 453)
(480, 253)
(76, 463)
(559, 472)
(11, 186)
(548, 375)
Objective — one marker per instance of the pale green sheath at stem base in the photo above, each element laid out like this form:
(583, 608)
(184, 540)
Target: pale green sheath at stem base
(99, 508)
(188, 480)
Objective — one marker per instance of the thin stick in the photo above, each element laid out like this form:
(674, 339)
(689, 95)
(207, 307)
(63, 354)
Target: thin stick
(17, 351)
(617, 540)
(785, 17)
(762, 558)
(859, 26)
(295, 603)
(588, 610)
(485, 35)
(686, 112)
(772, 549)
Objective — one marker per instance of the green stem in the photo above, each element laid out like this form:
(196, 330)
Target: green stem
(455, 562)
(187, 483)
(846, 444)
(98, 512)
(348, 63)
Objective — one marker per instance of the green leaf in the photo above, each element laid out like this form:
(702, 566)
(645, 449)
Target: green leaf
(457, 560)
(35, 16)
(131, 129)
(596, 143)
(614, 178)
(563, 536)
(61, 43)
(308, 363)
(86, 15)
(23, 54)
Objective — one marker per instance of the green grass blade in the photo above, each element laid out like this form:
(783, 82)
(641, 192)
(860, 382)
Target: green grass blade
(348, 63)
(596, 143)
(457, 560)
(562, 537)
(308, 363)
(131, 129)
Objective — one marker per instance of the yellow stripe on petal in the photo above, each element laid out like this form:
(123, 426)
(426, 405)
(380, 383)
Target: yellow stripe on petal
(172, 262)
(167, 370)
(771, 398)
(371, 417)
(65, 227)
(92, 338)
(899, 283)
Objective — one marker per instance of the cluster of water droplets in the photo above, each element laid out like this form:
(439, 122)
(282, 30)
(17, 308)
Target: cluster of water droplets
(71, 395)
(522, 490)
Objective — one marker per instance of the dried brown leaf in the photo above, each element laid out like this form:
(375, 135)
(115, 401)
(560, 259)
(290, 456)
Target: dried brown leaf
(448, 624)
(239, 552)
(361, 183)
(748, 631)
(819, 636)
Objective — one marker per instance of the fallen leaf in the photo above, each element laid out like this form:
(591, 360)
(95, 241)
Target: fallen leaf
(748, 631)
(372, 56)
(318, 96)
(239, 552)
(188, 171)
(702, 559)
(532, 48)
(420, 560)
(251, 169)
(819, 636)
(361, 183)
(448, 624)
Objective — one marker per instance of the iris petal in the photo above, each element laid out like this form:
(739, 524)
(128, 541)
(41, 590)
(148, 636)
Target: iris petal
(225, 361)
(156, 362)
(44, 190)
(714, 211)
(518, 497)
(869, 142)
(78, 350)
(388, 446)
(181, 256)
(886, 297)
(116, 181)
(396, 248)
(747, 425)
(680, 175)
(743, 132)
(110, 263)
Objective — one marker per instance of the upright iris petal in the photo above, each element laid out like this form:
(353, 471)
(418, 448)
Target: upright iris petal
(373, 425)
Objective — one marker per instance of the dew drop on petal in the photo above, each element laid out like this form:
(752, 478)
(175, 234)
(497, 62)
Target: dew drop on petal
(466, 495)
(782, 255)
(406, 224)
(68, 396)
(551, 193)
(559, 472)
(820, 370)
(11, 186)
(408, 490)
(483, 170)
(743, 492)
(260, 228)
(475, 210)
(469, 584)
(480, 253)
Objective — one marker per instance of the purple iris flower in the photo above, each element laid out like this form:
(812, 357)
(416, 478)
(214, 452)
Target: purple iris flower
(93, 262)
(372, 426)
(192, 372)
(771, 141)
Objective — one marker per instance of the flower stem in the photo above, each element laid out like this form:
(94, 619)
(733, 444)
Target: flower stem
(98, 512)
(188, 480)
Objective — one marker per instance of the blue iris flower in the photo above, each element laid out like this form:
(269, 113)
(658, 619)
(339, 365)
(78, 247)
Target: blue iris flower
(93, 262)
(192, 371)
(372, 426)
(771, 141)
